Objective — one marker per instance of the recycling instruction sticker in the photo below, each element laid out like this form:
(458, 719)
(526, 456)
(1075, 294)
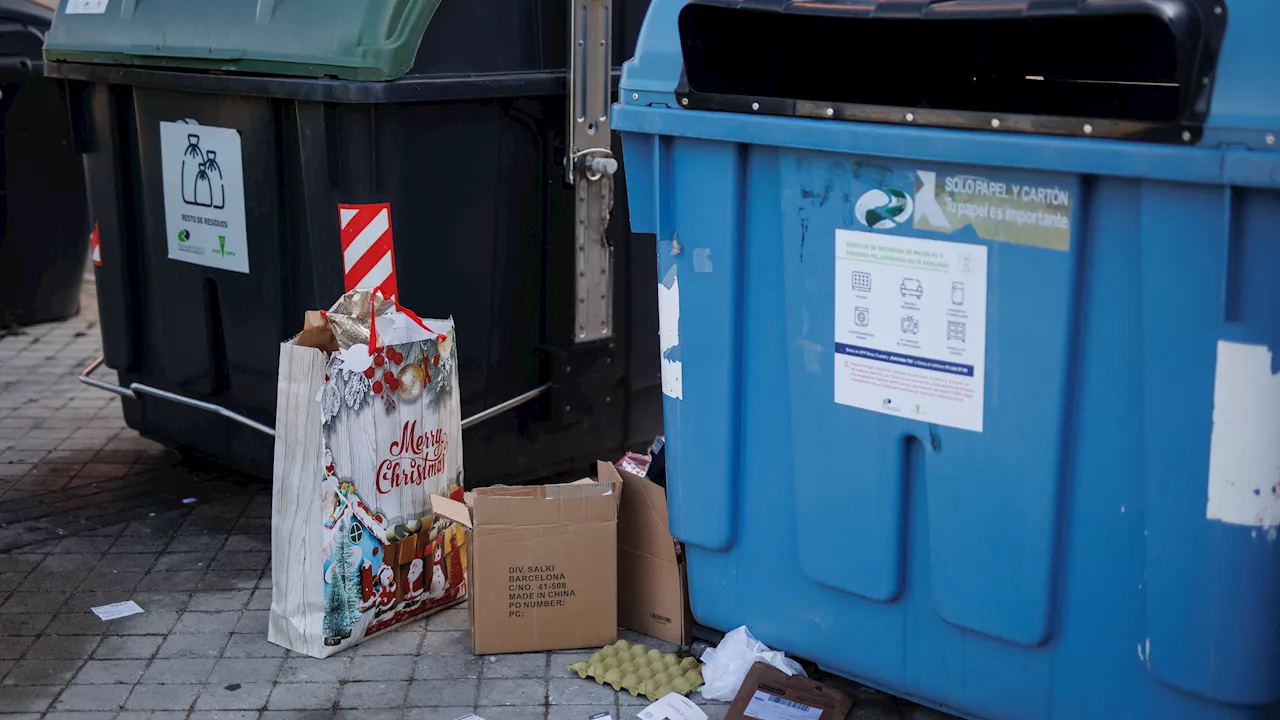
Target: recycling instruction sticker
(203, 175)
(911, 327)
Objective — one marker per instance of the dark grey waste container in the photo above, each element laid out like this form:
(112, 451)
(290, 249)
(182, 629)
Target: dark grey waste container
(454, 120)
(43, 212)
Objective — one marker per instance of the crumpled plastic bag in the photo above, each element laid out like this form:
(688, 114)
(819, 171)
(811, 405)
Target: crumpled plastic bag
(725, 666)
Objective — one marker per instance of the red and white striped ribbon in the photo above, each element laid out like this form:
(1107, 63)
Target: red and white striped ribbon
(368, 253)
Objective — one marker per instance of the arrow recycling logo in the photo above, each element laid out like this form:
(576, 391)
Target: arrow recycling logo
(883, 208)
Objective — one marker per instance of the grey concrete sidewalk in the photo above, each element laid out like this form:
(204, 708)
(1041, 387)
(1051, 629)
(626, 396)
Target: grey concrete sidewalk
(96, 515)
(200, 649)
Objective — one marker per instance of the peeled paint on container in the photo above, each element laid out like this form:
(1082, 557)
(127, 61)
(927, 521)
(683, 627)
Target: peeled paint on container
(641, 671)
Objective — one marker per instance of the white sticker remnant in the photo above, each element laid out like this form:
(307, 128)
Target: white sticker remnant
(911, 327)
(116, 610)
(86, 7)
(764, 706)
(702, 260)
(669, 334)
(203, 175)
(1244, 447)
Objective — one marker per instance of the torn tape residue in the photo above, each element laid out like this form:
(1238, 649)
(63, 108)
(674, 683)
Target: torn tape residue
(702, 260)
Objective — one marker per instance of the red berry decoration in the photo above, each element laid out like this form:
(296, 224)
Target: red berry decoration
(396, 356)
(368, 372)
(388, 376)
(394, 384)
(379, 360)
(377, 387)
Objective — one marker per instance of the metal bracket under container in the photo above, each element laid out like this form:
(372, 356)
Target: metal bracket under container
(136, 389)
(590, 165)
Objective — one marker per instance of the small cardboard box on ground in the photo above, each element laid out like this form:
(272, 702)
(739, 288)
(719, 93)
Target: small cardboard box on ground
(770, 694)
(543, 565)
(652, 586)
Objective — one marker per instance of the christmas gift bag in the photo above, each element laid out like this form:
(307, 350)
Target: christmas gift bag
(368, 427)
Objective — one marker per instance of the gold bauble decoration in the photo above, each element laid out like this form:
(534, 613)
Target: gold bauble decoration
(411, 382)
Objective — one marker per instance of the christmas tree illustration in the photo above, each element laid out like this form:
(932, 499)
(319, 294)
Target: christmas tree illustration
(342, 589)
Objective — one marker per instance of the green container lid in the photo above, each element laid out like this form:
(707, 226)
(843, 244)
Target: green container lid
(348, 39)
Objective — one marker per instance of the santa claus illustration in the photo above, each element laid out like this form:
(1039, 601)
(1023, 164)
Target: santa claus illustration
(386, 589)
(456, 555)
(414, 588)
(437, 572)
(368, 594)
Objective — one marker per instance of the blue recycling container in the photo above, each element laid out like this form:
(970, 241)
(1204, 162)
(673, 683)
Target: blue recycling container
(969, 323)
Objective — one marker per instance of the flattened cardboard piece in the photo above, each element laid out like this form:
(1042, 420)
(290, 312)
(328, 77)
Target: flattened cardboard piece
(770, 694)
(452, 509)
(542, 568)
(652, 590)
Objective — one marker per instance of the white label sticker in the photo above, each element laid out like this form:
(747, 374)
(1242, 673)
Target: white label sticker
(911, 327)
(764, 706)
(86, 7)
(204, 195)
(1244, 451)
(669, 335)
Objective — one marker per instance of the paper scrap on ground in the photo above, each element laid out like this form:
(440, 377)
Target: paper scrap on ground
(672, 707)
(764, 706)
(117, 610)
(601, 716)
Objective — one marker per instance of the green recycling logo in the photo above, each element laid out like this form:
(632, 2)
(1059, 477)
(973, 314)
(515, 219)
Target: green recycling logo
(184, 236)
(884, 208)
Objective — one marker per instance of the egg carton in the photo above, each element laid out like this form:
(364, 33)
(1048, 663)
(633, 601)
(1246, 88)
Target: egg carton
(641, 671)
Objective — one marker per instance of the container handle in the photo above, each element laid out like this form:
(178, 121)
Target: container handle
(132, 391)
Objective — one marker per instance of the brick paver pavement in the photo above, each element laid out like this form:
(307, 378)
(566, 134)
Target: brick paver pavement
(68, 464)
(93, 514)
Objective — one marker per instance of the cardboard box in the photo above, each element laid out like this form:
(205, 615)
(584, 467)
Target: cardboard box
(652, 586)
(543, 565)
(770, 694)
